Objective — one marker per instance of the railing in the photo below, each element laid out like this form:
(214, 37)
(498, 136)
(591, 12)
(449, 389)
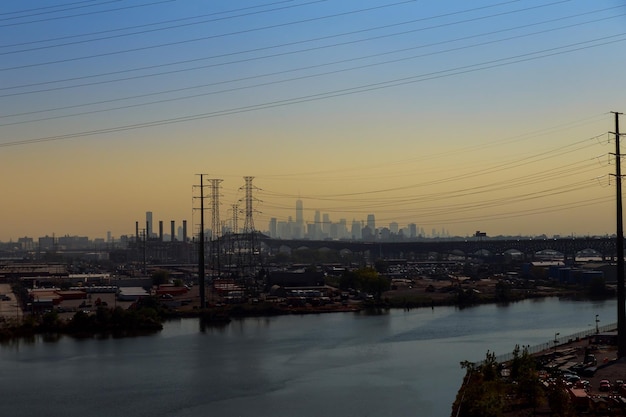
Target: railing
(555, 342)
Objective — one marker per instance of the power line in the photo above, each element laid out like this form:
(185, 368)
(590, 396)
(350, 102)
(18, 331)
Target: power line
(465, 47)
(202, 38)
(82, 14)
(150, 30)
(266, 48)
(335, 93)
(37, 9)
(195, 87)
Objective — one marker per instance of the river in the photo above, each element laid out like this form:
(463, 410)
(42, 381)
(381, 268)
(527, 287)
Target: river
(400, 363)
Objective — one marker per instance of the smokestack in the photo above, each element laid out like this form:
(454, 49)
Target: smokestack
(184, 230)
(137, 232)
(172, 231)
(161, 230)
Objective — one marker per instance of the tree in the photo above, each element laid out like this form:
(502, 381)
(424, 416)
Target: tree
(370, 281)
(597, 287)
(347, 280)
(381, 266)
(559, 400)
(503, 292)
(483, 392)
(524, 373)
(160, 276)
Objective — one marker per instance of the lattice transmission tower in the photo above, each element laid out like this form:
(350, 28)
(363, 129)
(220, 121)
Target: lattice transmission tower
(248, 246)
(248, 226)
(215, 208)
(235, 220)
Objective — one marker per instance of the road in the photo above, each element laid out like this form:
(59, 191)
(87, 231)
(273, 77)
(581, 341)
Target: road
(10, 308)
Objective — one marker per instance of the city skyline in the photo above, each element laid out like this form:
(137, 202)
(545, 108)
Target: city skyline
(493, 116)
(313, 229)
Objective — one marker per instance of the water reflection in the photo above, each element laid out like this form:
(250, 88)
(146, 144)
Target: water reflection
(381, 364)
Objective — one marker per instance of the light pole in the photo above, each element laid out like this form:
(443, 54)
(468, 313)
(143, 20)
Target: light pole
(555, 341)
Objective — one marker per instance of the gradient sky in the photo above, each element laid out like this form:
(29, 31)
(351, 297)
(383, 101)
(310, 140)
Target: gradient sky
(456, 115)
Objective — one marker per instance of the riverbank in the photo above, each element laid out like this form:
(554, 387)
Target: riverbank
(131, 318)
(582, 376)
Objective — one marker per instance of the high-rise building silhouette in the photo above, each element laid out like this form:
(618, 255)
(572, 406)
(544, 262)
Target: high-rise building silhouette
(317, 226)
(355, 230)
(273, 226)
(326, 225)
(299, 212)
(299, 226)
(371, 222)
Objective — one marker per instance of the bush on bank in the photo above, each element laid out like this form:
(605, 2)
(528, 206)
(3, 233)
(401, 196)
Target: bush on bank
(146, 316)
(485, 392)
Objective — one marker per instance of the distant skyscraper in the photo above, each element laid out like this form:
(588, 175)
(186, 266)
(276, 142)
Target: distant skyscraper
(283, 229)
(299, 212)
(367, 233)
(342, 230)
(412, 230)
(371, 222)
(310, 230)
(326, 223)
(355, 230)
(317, 225)
(273, 226)
(298, 229)
(394, 228)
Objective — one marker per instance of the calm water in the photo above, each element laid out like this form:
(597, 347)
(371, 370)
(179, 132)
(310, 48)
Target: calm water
(395, 364)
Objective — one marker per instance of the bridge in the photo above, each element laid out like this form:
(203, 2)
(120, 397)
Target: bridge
(604, 247)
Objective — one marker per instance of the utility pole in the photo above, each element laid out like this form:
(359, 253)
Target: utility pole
(619, 245)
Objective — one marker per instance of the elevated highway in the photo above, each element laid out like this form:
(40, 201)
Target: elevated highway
(604, 247)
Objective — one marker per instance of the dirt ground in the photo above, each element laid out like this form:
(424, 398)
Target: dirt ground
(9, 309)
(608, 367)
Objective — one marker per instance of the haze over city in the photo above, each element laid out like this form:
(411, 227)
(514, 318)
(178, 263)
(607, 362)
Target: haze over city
(483, 115)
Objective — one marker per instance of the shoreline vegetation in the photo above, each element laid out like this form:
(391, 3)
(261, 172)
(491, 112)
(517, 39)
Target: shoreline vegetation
(148, 315)
(364, 289)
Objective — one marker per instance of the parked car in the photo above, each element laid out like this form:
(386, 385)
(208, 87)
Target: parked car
(571, 378)
(605, 385)
(584, 384)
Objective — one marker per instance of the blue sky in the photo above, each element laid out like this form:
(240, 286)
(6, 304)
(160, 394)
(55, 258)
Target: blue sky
(483, 115)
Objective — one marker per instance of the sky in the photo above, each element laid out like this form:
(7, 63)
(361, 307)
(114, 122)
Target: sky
(458, 116)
